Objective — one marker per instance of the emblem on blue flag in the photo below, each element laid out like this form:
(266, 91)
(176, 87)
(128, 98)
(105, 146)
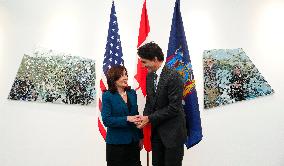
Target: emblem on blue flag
(184, 69)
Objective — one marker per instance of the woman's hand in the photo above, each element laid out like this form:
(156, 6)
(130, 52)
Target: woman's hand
(135, 119)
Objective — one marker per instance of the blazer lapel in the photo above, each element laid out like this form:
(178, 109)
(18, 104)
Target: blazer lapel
(132, 103)
(123, 104)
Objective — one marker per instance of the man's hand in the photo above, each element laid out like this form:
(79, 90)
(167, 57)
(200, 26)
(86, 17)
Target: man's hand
(144, 120)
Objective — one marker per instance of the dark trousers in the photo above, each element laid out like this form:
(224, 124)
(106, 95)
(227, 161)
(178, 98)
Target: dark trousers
(162, 156)
(123, 155)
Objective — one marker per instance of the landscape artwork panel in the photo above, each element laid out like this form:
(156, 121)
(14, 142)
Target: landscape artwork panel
(55, 77)
(230, 76)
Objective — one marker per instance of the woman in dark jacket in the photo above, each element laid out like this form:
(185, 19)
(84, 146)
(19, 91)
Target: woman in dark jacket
(119, 115)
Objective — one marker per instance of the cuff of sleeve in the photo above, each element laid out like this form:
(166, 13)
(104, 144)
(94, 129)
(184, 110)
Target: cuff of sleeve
(150, 117)
(125, 119)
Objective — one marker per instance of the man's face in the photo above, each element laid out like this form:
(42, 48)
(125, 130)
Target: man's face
(151, 65)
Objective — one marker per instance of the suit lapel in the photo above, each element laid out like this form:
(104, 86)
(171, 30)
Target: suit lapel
(150, 84)
(160, 83)
(150, 88)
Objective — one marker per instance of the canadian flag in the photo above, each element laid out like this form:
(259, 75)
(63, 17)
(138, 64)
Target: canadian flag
(141, 73)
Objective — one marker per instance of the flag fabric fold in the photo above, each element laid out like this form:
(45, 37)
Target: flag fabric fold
(178, 58)
(141, 73)
(112, 57)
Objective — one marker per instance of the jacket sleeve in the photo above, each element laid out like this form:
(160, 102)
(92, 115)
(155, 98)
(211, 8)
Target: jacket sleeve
(175, 94)
(108, 119)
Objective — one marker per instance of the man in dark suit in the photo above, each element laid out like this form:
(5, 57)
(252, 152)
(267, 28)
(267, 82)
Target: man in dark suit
(163, 108)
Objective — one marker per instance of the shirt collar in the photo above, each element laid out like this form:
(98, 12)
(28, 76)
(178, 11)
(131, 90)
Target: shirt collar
(159, 71)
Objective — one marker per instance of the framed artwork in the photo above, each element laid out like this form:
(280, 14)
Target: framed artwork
(49, 76)
(230, 76)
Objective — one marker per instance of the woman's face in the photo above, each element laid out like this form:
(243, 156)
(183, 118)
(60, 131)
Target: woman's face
(122, 81)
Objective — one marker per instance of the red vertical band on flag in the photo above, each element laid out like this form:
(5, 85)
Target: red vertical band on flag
(147, 137)
(144, 30)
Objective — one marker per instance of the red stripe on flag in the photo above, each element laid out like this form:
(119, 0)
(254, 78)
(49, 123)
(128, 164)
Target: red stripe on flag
(100, 105)
(102, 85)
(170, 57)
(101, 129)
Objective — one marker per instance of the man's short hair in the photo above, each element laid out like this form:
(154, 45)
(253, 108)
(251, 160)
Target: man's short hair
(150, 51)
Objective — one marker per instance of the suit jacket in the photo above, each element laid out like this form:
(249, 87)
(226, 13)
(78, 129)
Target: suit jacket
(164, 108)
(114, 115)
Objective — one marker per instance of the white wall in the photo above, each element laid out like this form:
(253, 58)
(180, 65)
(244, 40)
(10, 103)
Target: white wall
(248, 133)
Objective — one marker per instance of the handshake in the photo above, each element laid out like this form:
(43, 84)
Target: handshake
(139, 120)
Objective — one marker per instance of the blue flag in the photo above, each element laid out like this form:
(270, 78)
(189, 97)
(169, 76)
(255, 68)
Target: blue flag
(178, 58)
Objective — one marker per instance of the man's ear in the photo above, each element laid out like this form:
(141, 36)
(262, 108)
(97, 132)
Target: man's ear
(156, 59)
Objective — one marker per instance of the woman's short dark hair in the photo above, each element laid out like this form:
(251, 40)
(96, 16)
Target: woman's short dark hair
(150, 51)
(113, 74)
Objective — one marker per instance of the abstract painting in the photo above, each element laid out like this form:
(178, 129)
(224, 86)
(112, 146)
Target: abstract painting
(230, 76)
(49, 76)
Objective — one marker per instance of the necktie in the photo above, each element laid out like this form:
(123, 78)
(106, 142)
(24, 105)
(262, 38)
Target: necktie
(155, 81)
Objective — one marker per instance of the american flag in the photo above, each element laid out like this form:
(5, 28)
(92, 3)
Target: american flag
(112, 57)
